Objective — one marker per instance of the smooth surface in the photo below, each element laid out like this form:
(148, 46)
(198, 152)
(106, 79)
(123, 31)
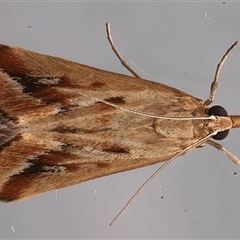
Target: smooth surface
(178, 44)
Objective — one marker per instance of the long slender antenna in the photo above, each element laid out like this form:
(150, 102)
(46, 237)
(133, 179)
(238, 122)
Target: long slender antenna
(214, 84)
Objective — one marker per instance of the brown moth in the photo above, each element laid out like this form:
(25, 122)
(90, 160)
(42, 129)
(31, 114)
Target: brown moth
(63, 123)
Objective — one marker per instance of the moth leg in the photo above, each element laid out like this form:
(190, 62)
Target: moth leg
(202, 145)
(231, 156)
(116, 51)
(214, 84)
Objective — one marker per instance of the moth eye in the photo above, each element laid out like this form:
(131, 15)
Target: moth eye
(219, 111)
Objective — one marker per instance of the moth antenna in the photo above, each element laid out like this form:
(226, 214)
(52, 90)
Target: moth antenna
(146, 114)
(116, 51)
(218, 146)
(199, 142)
(214, 84)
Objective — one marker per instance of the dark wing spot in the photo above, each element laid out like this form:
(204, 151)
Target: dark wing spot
(115, 100)
(102, 164)
(97, 84)
(64, 129)
(37, 167)
(116, 149)
(32, 84)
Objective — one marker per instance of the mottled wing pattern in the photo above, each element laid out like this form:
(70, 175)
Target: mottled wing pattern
(52, 137)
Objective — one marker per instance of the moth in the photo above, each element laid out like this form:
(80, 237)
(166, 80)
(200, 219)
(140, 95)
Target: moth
(63, 123)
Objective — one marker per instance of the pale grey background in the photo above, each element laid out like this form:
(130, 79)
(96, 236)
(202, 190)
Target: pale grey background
(178, 44)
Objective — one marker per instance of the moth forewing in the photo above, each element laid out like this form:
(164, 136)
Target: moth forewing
(53, 137)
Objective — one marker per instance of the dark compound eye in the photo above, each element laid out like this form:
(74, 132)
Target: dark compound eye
(219, 111)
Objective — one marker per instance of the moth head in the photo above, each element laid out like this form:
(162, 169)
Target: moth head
(218, 111)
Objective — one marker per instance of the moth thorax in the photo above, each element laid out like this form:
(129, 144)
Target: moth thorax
(175, 128)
